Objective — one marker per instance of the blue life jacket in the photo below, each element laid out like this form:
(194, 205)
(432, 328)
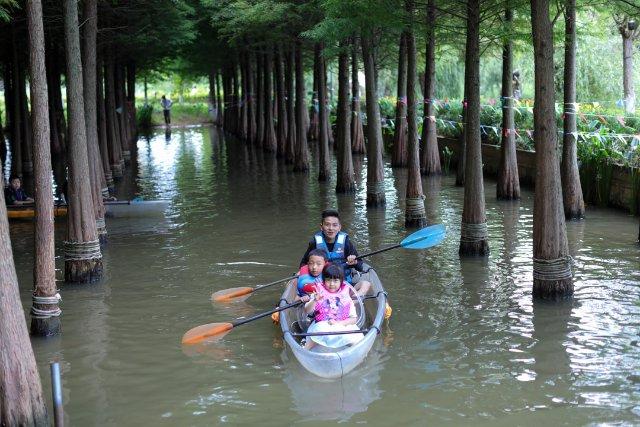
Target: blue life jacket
(336, 256)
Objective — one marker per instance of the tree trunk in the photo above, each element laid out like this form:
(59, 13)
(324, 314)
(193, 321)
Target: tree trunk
(121, 113)
(270, 143)
(571, 187)
(96, 174)
(244, 111)
(301, 162)
(102, 129)
(357, 132)
(473, 237)
(251, 101)
(415, 215)
(113, 133)
(552, 277)
(260, 101)
(237, 107)
(21, 399)
(314, 127)
(131, 102)
(375, 168)
(462, 155)
(345, 182)
(26, 139)
(324, 168)
(627, 67)
(45, 320)
(290, 150)
(16, 114)
(57, 139)
(83, 259)
(6, 77)
(430, 155)
(508, 186)
(282, 109)
(399, 156)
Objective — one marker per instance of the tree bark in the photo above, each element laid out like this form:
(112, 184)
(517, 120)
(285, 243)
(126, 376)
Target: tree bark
(244, 111)
(357, 132)
(113, 133)
(260, 113)
(26, 138)
(102, 128)
(290, 150)
(430, 155)
(89, 61)
(282, 109)
(345, 182)
(571, 187)
(81, 265)
(220, 110)
(251, 101)
(473, 238)
(16, 113)
(628, 85)
(314, 126)
(324, 169)
(47, 321)
(21, 399)
(415, 215)
(301, 163)
(270, 143)
(375, 168)
(399, 156)
(121, 115)
(508, 186)
(549, 230)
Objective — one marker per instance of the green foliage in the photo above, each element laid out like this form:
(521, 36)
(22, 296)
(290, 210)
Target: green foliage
(144, 117)
(447, 153)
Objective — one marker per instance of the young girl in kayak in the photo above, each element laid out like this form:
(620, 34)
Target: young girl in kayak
(333, 311)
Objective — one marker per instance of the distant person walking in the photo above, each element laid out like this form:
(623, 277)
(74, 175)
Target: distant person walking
(166, 109)
(517, 88)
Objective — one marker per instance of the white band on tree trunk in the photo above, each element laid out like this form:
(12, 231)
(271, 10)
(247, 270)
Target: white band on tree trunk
(552, 270)
(39, 313)
(472, 233)
(81, 251)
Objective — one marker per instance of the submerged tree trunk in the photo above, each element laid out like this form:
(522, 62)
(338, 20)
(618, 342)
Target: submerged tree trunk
(83, 259)
(571, 187)
(260, 100)
(96, 174)
(473, 236)
(251, 101)
(552, 277)
(323, 120)
(399, 156)
(357, 132)
(345, 182)
(113, 134)
(508, 186)
(102, 129)
(21, 399)
(415, 215)
(290, 153)
(244, 108)
(45, 313)
(375, 168)
(430, 155)
(281, 102)
(301, 163)
(270, 143)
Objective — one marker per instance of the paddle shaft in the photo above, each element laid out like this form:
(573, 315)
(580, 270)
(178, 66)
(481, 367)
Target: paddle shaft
(266, 285)
(388, 248)
(265, 314)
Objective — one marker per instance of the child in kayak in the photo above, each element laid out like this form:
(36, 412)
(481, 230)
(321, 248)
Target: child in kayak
(333, 311)
(310, 274)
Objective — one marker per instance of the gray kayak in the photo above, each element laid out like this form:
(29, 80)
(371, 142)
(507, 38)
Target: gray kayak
(329, 362)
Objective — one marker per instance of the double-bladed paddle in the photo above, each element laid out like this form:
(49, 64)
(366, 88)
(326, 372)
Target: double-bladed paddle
(215, 331)
(421, 239)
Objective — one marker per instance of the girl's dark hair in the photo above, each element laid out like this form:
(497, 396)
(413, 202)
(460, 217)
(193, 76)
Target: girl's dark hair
(333, 271)
(318, 252)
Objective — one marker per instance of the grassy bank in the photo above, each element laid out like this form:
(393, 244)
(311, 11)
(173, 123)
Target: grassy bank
(186, 113)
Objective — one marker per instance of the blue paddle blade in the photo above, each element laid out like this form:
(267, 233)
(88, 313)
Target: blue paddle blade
(425, 238)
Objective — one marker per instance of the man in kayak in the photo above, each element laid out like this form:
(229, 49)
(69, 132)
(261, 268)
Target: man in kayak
(340, 249)
(14, 194)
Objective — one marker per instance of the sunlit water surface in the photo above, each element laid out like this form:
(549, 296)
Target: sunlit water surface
(466, 345)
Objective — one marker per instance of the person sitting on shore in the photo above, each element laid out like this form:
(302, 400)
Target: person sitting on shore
(333, 311)
(14, 194)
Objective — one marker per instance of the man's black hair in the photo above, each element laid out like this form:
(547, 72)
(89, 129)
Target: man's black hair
(12, 177)
(318, 252)
(330, 212)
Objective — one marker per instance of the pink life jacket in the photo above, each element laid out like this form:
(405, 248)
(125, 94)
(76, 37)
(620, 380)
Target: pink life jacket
(334, 305)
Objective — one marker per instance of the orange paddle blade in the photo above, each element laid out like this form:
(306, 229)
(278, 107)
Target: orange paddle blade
(200, 333)
(231, 293)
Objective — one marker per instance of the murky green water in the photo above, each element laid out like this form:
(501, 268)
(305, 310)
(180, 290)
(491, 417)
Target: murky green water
(465, 346)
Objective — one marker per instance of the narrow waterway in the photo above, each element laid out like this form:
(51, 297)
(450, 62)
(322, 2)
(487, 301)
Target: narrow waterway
(466, 345)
